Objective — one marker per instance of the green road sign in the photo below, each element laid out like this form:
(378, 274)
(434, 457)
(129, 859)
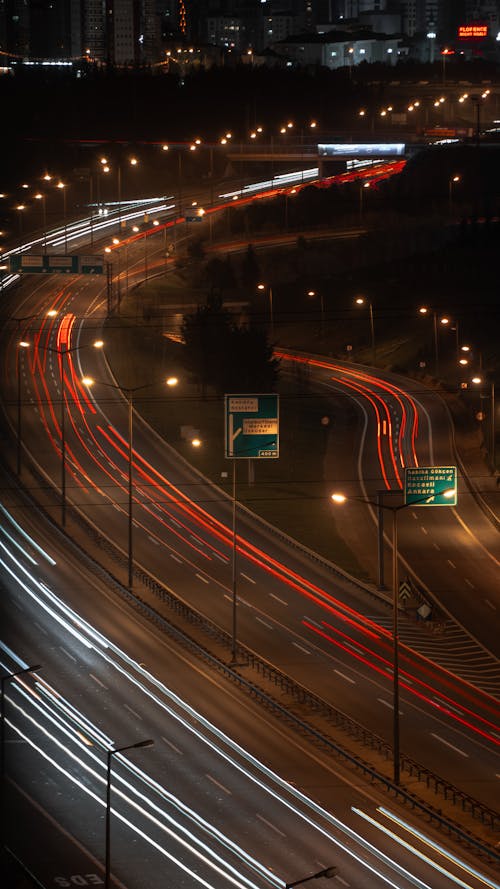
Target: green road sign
(251, 426)
(56, 264)
(431, 485)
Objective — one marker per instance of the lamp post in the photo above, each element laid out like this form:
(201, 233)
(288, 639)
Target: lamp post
(41, 197)
(3, 682)
(361, 301)
(395, 510)
(62, 187)
(262, 287)
(451, 183)
(362, 186)
(20, 208)
(62, 352)
(312, 294)
(327, 872)
(109, 757)
(478, 381)
(129, 393)
(423, 310)
(23, 344)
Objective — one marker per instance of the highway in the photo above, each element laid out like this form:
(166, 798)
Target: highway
(295, 611)
(203, 805)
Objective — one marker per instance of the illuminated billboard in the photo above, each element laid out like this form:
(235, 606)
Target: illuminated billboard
(474, 31)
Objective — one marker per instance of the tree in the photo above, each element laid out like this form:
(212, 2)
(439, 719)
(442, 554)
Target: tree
(227, 356)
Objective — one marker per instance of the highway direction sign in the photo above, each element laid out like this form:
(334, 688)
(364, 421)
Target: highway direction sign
(251, 426)
(58, 264)
(431, 485)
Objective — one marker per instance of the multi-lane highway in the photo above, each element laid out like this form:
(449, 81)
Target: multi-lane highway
(203, 805)
(300, 615)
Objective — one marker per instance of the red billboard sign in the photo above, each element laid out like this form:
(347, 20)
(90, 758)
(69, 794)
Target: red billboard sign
(472, 32)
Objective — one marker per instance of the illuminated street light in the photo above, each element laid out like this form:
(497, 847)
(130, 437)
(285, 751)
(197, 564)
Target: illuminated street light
(262, 287)
(362, 301)
(129, 393)
(423, 310)
(109, 756)
(339, 499)
(478, 381)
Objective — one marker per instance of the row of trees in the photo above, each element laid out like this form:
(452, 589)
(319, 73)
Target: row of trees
(224, 355)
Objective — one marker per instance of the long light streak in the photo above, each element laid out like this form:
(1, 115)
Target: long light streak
(231, 745)
(420, 855)
(26, 536)
(437, 847)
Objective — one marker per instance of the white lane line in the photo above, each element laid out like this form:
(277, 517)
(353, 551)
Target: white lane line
(221, 558)
(301, 648)
(18, 606)
(341, 880)
(347, 678)
(250, 579)
(423, 530)
(176, 558)
(174, 748)
(200, 577)
(469, 583)
(452, 746)
(446, 706)
(218, 784)
(174, 522)
(277, 598)
(490, 605)
(450, 563)
(133, 712)
(96, 679)
(389, 705)
(272, 826)
(68, 654)
(42, 629)
(436, 546)
(269, 626)
(153, 540)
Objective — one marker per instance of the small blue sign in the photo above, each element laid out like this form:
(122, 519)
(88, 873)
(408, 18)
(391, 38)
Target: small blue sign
(252, 426)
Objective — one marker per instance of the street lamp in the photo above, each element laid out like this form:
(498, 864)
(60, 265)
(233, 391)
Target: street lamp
(22, 344)
(361, 301)
(41, 197)
(451, 183)
(339, 498)
(20, 208)
(3, 682)
(62, 352)
(423, 310)
(478, 381)
(262, 287)
(362, 186)
(62, 187)
(129, 393)
(327, 872)
(312, 294)
(109, 757)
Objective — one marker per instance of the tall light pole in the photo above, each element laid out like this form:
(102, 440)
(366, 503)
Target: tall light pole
(62, 187)
(129, 393)
(362, 186)
(327, 872)
(61, 353)
(362, 301)
(395, 510)
(22, 344)
(41, 197)
(423, 310)
(478, 381)
(312, 294)
(3, 682)
(262, 287)
(451, 182)
(109, 757)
